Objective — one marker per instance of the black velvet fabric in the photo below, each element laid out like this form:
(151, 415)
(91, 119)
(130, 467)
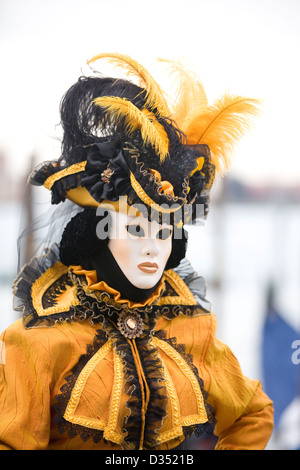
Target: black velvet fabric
(109, 271)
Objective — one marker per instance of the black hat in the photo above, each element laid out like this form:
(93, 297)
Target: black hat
(123, 139)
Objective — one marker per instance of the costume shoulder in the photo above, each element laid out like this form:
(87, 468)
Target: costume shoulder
(43, 291)
(186, 289)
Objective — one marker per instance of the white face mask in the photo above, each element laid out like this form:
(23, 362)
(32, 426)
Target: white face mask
(141, 248)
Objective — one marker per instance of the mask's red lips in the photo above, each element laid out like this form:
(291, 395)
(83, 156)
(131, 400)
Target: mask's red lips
(149, 268)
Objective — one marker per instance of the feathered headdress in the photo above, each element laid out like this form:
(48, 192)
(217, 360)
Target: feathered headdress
(154, 95)
(219, 125)
(152, 131)
(122, 138)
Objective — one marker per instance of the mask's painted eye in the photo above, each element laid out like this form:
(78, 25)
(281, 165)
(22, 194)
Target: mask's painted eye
(135, 230)
(164, 233)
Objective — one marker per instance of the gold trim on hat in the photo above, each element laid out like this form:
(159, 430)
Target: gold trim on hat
(148, 201)
(76, 168)
(82, 197)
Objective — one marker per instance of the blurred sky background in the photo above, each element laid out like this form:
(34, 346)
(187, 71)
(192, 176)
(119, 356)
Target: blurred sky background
(251, 240)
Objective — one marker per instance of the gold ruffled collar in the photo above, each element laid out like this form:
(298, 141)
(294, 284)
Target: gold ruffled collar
(56, 293)
(93, 285)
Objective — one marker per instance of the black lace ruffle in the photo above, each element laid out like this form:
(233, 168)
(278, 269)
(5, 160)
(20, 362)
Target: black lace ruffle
(22, 285)
(60, 188)
(154, 375)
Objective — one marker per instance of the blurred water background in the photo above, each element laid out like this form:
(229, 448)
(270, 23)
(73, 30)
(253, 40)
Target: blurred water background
(249, 248)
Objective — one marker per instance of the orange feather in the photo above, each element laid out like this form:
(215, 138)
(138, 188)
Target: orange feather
(221, 126)
(189, 92)
(151, 130)
(155, 96)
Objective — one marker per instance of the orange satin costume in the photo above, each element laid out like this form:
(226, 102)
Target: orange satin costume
(74, 377)
(68, 384)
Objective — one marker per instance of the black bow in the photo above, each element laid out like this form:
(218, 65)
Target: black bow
(106, 175)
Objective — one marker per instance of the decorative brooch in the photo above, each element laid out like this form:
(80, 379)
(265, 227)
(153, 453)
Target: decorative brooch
(130, 324)
(106, 174)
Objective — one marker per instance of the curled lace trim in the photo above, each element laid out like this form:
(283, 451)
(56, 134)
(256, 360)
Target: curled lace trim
(98, 304)
(149, 183)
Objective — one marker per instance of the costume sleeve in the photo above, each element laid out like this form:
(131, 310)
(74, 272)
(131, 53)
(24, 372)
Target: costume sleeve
(252, 430)
(244, 413)
(24, 391)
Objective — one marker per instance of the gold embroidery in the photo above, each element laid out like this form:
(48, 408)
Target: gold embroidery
(40, 286)
(95, 289)
(148, 201)
(201, 416)
(176, 430)
(109, 428)
(79, 386)
(114, 408)
(185, 296)
(76, 168)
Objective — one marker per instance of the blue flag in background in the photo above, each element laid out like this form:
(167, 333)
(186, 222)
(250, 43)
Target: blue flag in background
(281, 376)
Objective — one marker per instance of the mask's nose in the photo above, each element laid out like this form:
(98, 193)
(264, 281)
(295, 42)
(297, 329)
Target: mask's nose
(150, 248)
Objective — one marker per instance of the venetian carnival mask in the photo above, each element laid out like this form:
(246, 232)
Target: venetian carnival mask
(140, 247)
